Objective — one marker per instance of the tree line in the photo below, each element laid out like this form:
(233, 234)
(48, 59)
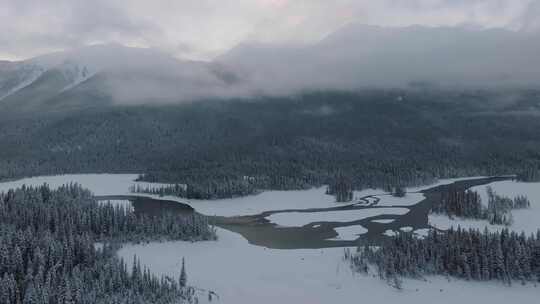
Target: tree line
(531, 174)
(468, 204)
(228, 188)
(466, 254)
(341, 187)
(283, 143)
(48, 252)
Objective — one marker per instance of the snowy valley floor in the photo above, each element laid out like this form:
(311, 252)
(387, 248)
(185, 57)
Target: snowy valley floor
(243, 273)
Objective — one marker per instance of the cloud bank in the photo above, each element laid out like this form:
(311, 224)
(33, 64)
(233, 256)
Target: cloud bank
(203, 29)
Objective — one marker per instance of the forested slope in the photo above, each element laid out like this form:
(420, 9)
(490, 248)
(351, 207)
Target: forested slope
(378, 138)
(48, 252)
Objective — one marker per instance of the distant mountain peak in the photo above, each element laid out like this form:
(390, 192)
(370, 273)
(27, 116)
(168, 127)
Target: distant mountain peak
(114, 72)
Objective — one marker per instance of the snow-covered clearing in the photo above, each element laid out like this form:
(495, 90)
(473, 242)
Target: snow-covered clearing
(527, 220)
(298, 219)
(413, 195)
(99, 184)
(243, 273)
(272, 200)
(349, 233)
(295, 199)
(512, 189)
(305, 199)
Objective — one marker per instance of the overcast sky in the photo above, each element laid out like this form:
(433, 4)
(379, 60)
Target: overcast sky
(202, 29)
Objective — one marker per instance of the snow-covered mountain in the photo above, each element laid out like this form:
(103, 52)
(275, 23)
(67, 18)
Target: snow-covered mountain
(354, 57)
(109, 74)
(358, 56)
(15, 76)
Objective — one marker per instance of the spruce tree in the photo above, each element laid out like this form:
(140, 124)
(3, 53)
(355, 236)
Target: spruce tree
(183, 276)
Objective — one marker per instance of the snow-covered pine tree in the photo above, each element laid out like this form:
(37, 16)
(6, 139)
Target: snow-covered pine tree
(183, 276)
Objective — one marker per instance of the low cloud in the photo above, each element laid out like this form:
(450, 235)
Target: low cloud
(359, 56)
(202, 29)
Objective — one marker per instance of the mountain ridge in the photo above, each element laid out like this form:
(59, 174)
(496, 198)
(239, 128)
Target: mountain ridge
(352, 58)
(135, 75)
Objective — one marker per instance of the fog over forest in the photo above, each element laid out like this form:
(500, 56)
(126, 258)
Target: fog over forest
(265, 47)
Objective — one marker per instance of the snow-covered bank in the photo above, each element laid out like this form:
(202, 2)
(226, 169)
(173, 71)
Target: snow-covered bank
(243, 273)
(99, 184)
(273, 200)
(298, 219)
(294, 199)
(444, 181)
(512, 189)
(121, 184)
(527, 220)
(412, 198)
(443, 222)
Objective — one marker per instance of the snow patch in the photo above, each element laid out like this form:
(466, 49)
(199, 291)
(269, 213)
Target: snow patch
(422, 233)
(406, 229)
(272, 200)
(34, 74)
(349, 233)
(384, 221)
(298, 219)
(390, 233)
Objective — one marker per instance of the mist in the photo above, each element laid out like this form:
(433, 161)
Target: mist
(352, 58)
(359, 56)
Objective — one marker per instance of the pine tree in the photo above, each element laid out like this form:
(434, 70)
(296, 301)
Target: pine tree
(399, 191)
(183, 276)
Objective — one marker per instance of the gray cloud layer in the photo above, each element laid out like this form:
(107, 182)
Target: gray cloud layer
(206, 28)
(359, 56)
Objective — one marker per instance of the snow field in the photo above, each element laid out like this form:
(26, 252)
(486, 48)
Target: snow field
(242, 273)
